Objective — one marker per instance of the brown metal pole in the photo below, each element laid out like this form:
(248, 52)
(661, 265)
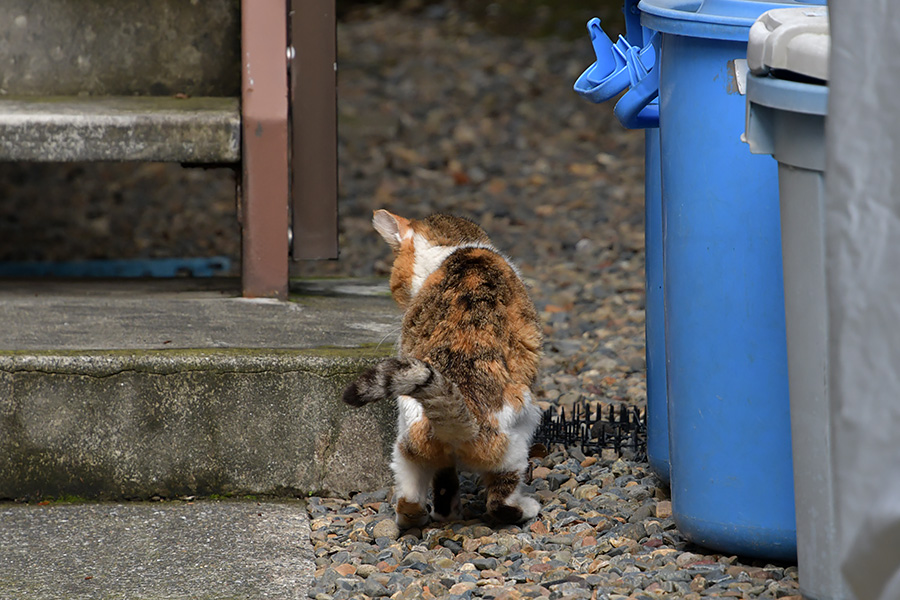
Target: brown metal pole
(314, 129)
(265, 188)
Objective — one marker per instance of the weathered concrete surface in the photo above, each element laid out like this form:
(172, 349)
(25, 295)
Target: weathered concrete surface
(129, 80)
(126, 128)
(123, 392)
(121, 48)
(140, 423)
(155, 551)
(49, 314)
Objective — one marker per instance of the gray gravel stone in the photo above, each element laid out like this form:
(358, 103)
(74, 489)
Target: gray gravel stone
(386, 528)
(374, 589)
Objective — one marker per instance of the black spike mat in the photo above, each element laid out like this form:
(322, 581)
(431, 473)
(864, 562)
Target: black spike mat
(595, 427)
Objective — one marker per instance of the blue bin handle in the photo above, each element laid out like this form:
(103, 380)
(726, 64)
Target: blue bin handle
(637, 108)
(620, 66)
(608, 76)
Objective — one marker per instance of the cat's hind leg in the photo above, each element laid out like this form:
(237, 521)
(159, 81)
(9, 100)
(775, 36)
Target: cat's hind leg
(411, 483)
(446, 495)
(505, 501)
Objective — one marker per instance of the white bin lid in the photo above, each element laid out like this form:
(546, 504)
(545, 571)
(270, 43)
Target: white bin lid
(791, 39)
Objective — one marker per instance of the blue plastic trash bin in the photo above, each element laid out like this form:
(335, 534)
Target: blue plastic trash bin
(654, 308)
(728, 408)
(627, 65)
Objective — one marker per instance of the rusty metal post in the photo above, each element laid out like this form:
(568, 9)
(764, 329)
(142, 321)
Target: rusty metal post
(314, 129)
(264, 110)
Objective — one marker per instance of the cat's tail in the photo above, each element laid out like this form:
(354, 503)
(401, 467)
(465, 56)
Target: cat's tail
(441, 400)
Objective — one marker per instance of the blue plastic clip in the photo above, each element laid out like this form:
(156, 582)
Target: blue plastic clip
(620, 66)
(638, 108)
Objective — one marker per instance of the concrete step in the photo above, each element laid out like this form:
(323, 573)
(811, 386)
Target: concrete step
(123, 128)
(121, 48)
(133, 389)
(155, 551)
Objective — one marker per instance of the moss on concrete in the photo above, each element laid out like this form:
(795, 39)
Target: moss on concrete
(323, 360)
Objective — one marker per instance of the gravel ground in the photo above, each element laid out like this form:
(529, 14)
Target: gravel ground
(438, 115)
(80, 211)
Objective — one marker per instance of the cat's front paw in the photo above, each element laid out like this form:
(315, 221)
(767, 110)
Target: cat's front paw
(411, 514)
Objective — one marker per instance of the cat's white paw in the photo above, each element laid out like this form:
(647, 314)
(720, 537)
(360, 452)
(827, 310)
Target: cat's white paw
(529, 506)
(516, 509)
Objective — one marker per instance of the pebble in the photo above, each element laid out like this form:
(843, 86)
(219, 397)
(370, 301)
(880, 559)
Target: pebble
(386, 528)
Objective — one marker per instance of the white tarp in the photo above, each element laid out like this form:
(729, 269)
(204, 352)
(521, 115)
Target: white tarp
(862, 227)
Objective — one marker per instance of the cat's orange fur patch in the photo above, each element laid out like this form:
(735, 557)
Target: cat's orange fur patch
(522, 359)
(435, 278)
(514, 395)
(495, 368)
(486, 450)
(420, 446)
(472, 281)
(402, 273)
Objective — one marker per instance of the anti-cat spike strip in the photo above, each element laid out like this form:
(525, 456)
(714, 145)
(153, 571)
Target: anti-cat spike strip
(594, 429)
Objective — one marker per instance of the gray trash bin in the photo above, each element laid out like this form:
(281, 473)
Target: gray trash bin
(787, 97)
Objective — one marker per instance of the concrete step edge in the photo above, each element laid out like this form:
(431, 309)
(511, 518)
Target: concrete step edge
(148, 128)
(104, 363)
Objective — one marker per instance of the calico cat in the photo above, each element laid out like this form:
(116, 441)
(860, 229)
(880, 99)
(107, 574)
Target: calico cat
(468, 356)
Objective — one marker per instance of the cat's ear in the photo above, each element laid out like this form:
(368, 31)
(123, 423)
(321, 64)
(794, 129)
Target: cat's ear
(391, 227)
